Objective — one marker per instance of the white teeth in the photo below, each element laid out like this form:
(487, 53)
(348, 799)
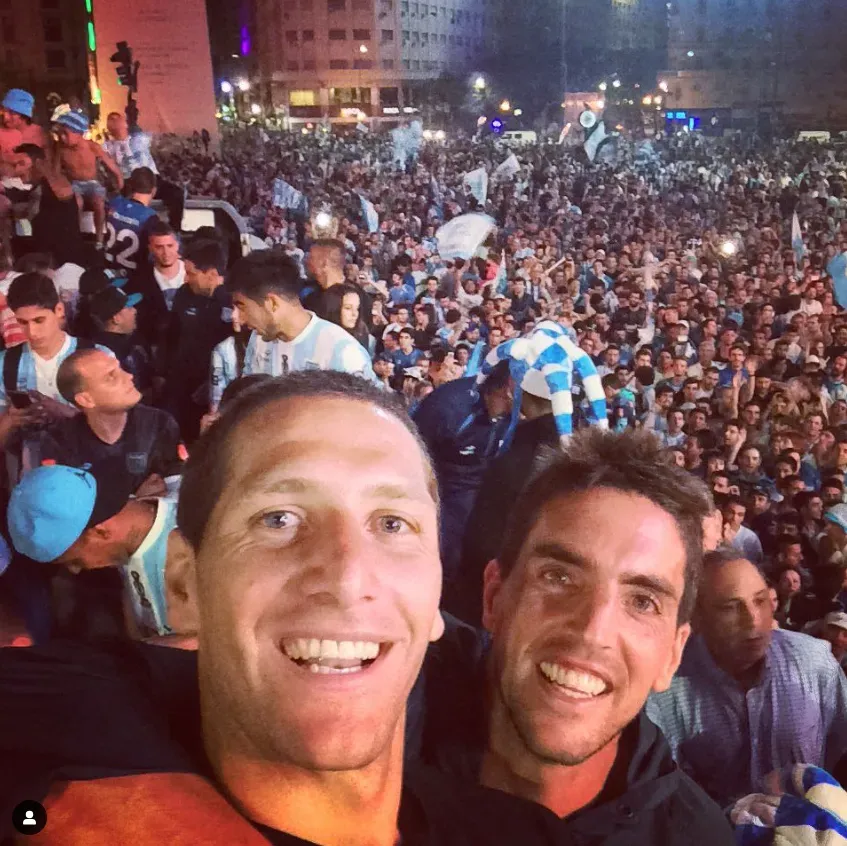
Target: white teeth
(582, 685)
(305, 649)
(337, 671)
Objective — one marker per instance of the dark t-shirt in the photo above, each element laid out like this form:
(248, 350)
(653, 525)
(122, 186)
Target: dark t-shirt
(55, 229)
(79, 712)
(149, 444)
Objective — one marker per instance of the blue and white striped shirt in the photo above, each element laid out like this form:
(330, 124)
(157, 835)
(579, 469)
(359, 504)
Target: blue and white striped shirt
(728, 739)
(320, 346)
(224, 370)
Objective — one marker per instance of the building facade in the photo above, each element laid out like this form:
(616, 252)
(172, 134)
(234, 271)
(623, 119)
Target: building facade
(43, 47)
(352, 60)
(761, 63)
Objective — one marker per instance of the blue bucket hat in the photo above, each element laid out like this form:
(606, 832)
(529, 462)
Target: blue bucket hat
(53, 505)
(19, 101)
(75, 121)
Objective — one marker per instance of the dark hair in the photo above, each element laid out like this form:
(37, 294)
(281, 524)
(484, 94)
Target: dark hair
(34, 263)
(32, 289)
(68, 378)
(142, 181)
(240, 386)
(206, 255)
(205, 472)
(632, 462)
(159, 229)
(406, 331)
(32, 150)
(452, 315)
(646, 375)
(333, 298)
(663, 390)
(259, 274)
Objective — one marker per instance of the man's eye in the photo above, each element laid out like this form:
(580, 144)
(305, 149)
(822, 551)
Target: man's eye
(393, 525)
(280, 520)
(643, 603)
(555, 576)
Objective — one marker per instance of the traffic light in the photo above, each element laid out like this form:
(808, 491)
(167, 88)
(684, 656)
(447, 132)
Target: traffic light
(127, 70)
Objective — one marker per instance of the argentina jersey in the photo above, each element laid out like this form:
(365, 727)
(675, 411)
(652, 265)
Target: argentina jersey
(320, 346)
(125, 223)
(144, 574)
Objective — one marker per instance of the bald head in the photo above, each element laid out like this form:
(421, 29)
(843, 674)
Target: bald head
(326, 262)
(734, 613)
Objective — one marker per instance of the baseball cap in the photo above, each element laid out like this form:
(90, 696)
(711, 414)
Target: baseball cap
(75, 121)
(53, 505)
(413, 373)
(813, 360)
(20, 101)
(838, 515)
(836, 618)
(105, 304)
(93, 281)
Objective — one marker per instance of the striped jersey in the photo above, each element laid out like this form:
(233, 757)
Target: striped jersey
(320, 346)
(144, 574)
(224, 370)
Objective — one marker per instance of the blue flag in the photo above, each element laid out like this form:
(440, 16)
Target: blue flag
(797, 239)
(286, 196)
(837, 269)
(370, 213)
(477, 183)
(501, 283)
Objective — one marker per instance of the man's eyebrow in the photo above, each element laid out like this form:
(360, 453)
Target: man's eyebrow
(387, 490)
(657, 584)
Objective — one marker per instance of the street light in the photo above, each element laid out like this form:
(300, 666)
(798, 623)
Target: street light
(243, 85)
(603, 86)
(657, 100)
(479, 83)
(226, 87)
(690, 54)
(363, 49)
(648, 100)
(616, 83)
(505, 106)
(664, 86)
(256, 109)
(518, 112)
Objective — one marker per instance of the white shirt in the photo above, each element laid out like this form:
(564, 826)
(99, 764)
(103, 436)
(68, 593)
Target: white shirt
(169, 287)
(812, 307)
(46, 370)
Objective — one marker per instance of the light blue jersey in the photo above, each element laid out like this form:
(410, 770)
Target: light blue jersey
(144, 574)
(320, 346)
(41, 378)
(224, 370)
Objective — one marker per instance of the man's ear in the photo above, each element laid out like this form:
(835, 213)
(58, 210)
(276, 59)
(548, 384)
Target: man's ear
(663, 680)
(492, 584)
(83, 400)
(181, 585)
(273, 303)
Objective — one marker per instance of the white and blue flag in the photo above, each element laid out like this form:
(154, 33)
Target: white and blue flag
(507, 169)
(461, 237)
(371, 215)
(477, 183)
(286, 196)
(797, 243)
(837, 269)
(593, 142)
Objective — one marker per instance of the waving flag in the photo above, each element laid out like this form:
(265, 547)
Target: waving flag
(461, 237)
(501, 282)
(593, 142)
(477, 183)
(507, 169)
(370, 213)
(437, 197)
(797, 239)
(286, 196)
(837, 269)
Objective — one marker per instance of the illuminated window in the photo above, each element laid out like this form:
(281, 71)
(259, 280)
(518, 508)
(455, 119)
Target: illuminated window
(302, 98)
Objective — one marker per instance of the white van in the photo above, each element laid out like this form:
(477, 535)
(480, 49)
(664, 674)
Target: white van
(520, 136)
(809, 135)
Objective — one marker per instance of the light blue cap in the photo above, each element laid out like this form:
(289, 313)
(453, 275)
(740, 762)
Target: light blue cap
(20, 101)
(49, 509)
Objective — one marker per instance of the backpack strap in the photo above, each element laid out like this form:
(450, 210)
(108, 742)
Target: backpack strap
(11, 365)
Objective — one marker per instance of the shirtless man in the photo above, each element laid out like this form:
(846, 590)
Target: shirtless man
(78, 158)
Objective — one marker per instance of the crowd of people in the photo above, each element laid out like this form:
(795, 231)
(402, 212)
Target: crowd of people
(358, 539)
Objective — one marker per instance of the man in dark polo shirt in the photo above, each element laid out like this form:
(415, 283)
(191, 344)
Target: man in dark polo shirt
(113, 431)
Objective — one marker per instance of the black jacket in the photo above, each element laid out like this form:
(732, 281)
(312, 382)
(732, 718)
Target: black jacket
(647, 801)
(501, 486)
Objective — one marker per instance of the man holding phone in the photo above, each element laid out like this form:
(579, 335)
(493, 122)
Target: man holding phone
(29, 395)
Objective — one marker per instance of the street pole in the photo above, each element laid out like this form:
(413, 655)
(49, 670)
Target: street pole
(564, 49)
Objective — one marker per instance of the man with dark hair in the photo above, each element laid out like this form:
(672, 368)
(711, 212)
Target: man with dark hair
(113, 432)
(28, 372)
(129, 221)
(200, 319)
(748, 700)
(286, 338)
(307, 563)
(588, 606)
(54, 219)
